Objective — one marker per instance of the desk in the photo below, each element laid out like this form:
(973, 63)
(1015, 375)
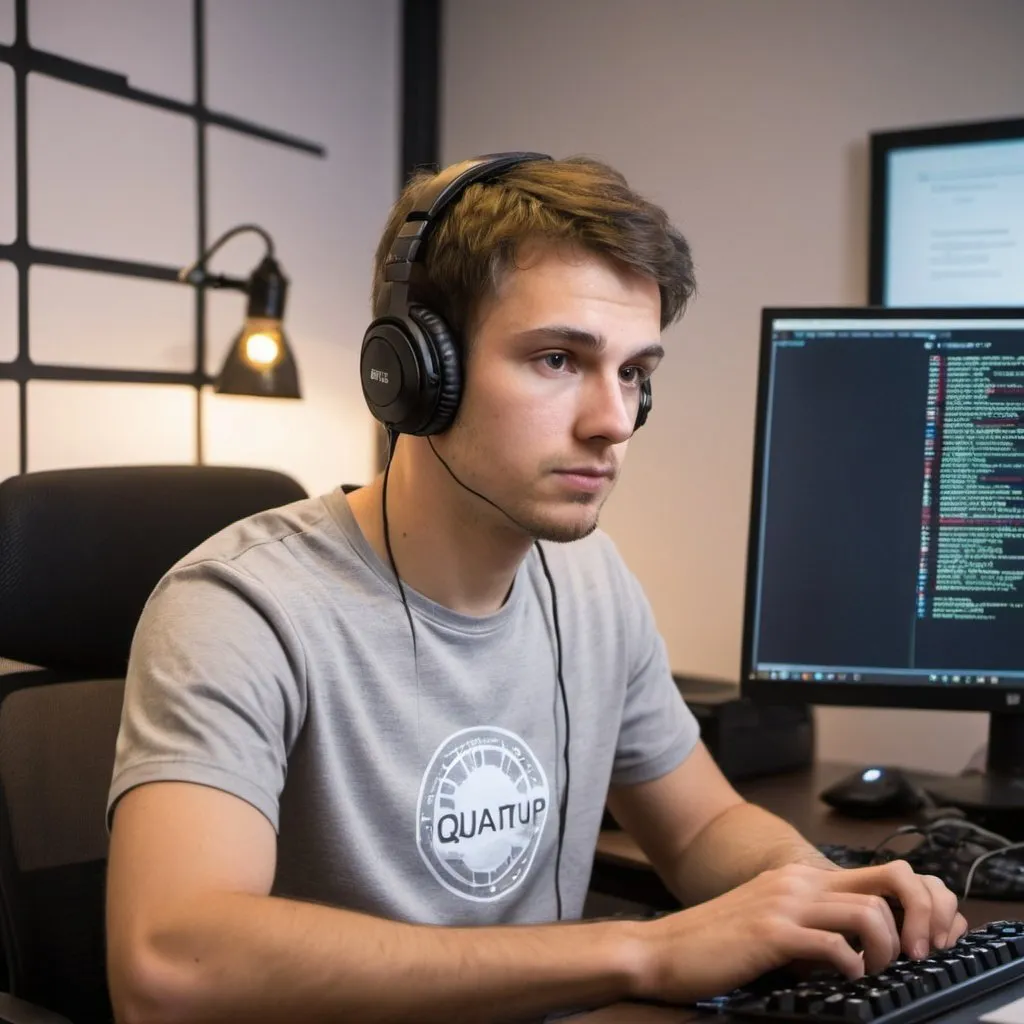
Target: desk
(621, 869)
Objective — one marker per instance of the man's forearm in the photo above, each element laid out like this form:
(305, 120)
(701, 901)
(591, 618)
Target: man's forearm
(263, 959)
(736, 846)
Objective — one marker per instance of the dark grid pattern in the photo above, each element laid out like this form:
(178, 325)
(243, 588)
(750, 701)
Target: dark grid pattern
(24, 59)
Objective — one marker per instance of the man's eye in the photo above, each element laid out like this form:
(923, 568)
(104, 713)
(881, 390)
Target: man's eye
(555, 360)
(633, 374)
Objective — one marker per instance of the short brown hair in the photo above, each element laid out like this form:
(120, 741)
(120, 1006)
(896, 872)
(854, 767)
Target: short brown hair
(580, 201)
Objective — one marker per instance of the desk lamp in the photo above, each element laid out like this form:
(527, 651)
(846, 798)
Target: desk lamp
(259, 361)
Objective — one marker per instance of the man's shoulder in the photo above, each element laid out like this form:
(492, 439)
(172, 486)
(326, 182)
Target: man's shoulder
(264, 536)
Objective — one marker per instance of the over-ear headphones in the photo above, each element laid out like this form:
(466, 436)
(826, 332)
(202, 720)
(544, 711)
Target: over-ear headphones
(410, 365)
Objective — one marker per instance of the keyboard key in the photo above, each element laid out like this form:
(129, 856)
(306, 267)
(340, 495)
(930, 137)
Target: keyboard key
(987, 956)
(900, 993)
(972, 965)
(956, 970)
(783, 1001)
(809, 1002)
(857, 1009)
(881, 1001)
(835, 1005)
(938, 975)
(919, 984)
(1002, 951)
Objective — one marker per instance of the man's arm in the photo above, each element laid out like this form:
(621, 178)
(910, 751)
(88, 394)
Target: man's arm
(704, 839)
(193, 935)
(701, 836)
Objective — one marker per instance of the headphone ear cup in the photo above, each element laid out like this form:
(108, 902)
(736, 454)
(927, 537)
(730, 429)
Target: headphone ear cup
(644, 409)
(397, 374)
(448, 362)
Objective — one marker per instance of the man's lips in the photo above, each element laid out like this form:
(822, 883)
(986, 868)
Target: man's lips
(593, 471)
(588, 479)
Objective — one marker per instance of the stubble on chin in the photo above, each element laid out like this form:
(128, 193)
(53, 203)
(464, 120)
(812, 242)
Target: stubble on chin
(566, 533)
(548, 528)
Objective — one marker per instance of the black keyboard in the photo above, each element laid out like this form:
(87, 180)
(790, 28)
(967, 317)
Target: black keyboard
(906, 992)
(947, 851)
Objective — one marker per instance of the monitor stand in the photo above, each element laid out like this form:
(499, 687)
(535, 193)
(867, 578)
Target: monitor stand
(994, 799)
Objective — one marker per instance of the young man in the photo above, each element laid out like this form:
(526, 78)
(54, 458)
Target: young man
(364, 737)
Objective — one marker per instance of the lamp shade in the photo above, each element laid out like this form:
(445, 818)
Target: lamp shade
(260, 361)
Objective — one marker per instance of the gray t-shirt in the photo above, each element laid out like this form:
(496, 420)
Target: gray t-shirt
(276, 663)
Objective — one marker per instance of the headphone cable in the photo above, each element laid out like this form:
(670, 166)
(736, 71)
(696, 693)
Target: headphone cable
(564, 798)
(563, 803)
(466, 487)
(392, 444)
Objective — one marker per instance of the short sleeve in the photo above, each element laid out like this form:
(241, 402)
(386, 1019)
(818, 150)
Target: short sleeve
(658, 730)
(215, 689)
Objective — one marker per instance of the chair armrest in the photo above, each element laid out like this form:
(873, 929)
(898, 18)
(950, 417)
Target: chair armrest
(17, 1011)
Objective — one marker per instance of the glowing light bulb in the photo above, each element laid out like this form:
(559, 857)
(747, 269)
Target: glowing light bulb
(262, 350)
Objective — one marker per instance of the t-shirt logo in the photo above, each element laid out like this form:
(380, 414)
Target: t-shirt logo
(482, 808)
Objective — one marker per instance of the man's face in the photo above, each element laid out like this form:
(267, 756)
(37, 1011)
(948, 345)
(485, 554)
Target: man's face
(553, 375)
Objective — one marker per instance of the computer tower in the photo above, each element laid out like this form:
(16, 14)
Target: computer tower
(748, 738)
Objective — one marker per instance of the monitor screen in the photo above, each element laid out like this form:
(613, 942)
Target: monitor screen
(947, 216)
(886, 558)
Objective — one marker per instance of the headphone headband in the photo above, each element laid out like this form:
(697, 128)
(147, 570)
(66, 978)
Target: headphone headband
(444, 191)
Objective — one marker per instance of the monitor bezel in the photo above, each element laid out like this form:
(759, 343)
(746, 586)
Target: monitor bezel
(1004, 698)
(882, 145)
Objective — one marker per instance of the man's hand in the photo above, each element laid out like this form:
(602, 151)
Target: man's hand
(797, 912)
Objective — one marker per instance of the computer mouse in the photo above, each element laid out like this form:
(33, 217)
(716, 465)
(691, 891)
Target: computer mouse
(874, 792)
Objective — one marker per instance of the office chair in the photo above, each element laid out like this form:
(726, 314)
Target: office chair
(80, 552)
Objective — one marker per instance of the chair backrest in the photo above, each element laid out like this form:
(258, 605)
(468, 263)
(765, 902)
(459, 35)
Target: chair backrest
(56, 754)
(80, 551)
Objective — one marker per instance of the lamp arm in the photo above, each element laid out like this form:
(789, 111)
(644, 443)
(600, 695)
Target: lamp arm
(220, 281)
(195, 273)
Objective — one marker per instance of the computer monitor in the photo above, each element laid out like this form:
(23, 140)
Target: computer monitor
(886, 554)
(947, 215)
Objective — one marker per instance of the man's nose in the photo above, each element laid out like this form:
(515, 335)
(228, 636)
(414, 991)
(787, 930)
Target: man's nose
(608, 408)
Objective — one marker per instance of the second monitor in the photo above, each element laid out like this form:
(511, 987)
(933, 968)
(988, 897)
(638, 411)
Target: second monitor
(886, 558)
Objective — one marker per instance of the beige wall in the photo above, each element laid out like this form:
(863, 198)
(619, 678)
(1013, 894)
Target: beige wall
(748, 120)
(110, 177)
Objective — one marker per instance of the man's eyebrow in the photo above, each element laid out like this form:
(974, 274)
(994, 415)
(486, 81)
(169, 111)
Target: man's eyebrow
(587, 339)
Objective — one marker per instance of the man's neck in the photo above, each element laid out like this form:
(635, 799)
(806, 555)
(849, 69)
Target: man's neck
(448, 544)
